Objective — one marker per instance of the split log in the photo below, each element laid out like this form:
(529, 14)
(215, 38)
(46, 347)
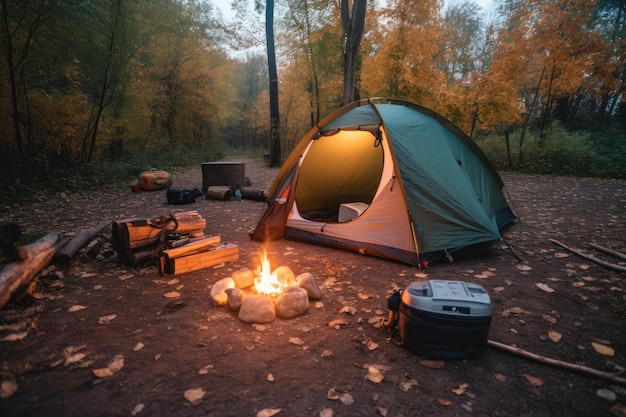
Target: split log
(218, 192)
(192, 247)
(556, 362)
(200, 260)
(607, 251)
(16, 274)
(591, 258)
(65, 255)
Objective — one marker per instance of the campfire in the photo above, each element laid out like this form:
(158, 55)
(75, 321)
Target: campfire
(271, 283)
(261, 296)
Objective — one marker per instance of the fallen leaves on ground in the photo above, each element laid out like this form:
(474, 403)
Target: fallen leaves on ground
(460, 390)
(76, 308)
(433, 364)
(407, 385)
(138, 409)
(296, 341)
(533, 380)
(14, 337)
(511, 311)
(348, 310)
(114, 366)
(172, 294)
(194, 394)
(554, 336)
(374, 375)
(603, 349)
(106, 319)
(500, 377)
(8, 388)
(337, 323)
(268, 412)
(544, 287)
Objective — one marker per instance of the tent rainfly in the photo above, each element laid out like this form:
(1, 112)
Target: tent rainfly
(387, 178)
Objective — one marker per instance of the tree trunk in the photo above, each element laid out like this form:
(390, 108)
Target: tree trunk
(353, 25)
(273, 76)
(15, 274)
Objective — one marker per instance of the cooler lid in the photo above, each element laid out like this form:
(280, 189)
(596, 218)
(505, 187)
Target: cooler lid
(448, 297)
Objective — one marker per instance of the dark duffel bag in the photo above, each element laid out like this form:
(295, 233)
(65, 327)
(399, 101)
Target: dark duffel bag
(180, 196)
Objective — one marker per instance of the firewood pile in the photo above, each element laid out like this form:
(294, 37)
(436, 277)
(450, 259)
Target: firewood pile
(178, 241)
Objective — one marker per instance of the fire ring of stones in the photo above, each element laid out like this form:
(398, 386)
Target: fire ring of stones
(240, 293)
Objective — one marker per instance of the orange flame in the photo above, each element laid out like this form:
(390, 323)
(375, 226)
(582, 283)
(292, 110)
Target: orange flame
(267, 282)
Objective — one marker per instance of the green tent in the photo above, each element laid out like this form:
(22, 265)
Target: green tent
(386, 178)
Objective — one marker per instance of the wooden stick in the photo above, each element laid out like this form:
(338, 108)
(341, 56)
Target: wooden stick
(607, 265)
(556, 362)
(607, 250)
(16, 274)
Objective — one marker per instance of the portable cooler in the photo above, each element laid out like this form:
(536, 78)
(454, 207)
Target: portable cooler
(445, 319)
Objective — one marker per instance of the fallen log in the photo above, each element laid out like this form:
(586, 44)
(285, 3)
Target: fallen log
(556, 362)
(67, 252)
(591, 258)
(249, 193)
(607, 250)
(218, 192)
(15, 274)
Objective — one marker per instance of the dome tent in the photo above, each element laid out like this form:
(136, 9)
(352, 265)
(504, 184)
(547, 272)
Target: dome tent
(387, 178)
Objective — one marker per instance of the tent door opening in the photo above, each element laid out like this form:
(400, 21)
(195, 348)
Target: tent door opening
(339, 176)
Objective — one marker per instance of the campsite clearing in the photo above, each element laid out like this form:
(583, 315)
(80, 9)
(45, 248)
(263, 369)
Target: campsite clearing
(100, 339)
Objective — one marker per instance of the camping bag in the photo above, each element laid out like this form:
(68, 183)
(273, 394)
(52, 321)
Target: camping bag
(178, 196)
(155, 180)
(445, 319)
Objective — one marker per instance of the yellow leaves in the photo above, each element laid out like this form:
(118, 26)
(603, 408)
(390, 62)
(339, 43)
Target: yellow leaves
(461, 389)
(14, 337)
(544, 287)
(603, 349)
(533, 381)
(337, 323)
(296, 341)
(172, 294)
(433, 364)
(194, 395)
(554, 336)
(8, 388)
(374, 374)
(407, 385)
(268, 412)
(114, 366)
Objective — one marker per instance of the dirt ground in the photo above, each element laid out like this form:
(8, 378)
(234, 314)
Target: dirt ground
(161, 351)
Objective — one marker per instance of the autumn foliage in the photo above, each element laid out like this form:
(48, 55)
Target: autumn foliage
(90, 83)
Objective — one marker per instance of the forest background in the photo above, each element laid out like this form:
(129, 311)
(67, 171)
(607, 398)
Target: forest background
(95, 92)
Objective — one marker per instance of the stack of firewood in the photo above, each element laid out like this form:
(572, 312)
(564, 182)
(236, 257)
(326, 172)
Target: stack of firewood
(178, 242)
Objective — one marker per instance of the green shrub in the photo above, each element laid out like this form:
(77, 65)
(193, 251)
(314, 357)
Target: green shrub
(601, 153)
